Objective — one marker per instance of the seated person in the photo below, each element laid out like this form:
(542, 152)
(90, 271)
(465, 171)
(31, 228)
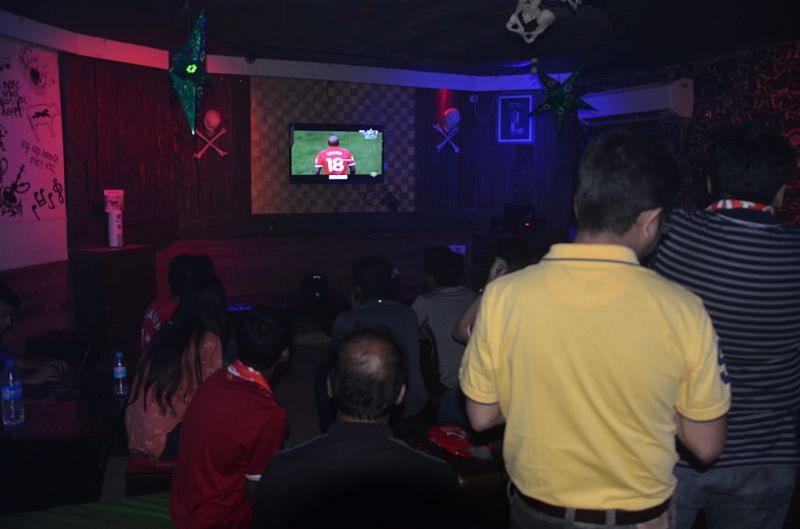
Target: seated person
(512, 259)
(162, 308)
(184, 353)
(440, 309)
(372, 306)
(32, 371)
(357, 474)
(230, 431)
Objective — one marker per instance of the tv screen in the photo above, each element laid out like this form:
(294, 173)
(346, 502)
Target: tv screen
(336, 153)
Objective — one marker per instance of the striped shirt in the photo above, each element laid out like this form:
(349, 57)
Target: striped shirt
(745, 266)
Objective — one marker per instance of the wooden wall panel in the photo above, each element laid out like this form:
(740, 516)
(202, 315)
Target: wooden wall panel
(123, 131)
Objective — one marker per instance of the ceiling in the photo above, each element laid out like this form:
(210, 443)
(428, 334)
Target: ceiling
(456, 36)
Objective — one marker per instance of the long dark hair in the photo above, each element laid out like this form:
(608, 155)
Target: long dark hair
(166, 361)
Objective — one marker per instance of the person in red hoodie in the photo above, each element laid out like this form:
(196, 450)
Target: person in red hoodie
(230, 431)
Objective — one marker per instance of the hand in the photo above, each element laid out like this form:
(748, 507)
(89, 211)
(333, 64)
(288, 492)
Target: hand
(499, 267)
(50, 372)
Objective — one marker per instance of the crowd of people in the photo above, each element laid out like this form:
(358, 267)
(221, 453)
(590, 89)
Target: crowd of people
(644, 373)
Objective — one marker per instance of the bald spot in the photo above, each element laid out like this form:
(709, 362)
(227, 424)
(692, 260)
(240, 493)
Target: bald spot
(366, 356)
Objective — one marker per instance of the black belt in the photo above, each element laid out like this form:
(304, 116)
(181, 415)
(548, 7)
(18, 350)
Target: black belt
(594, 516)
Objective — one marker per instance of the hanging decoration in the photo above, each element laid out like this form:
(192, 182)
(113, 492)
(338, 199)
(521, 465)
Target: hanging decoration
(452, 118)
(530, 20)
(187, 70)
(560, 97)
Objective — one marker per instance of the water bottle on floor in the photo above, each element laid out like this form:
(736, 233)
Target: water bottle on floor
(13, 407)
(120, 375)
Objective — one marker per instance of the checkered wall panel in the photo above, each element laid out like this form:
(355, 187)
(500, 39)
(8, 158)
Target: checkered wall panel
(275, 103)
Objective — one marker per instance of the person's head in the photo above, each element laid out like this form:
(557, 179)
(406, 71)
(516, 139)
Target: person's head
(202, 309)
(333, 141)
(372, 279)
(9, 304)
(203, 305)
(626, 183)
(369, 376)
(443, 267)
(751, 163)
(182, 266)
(263, 339)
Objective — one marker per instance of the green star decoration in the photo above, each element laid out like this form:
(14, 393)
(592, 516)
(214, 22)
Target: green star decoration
(560, 97)
(187, 70)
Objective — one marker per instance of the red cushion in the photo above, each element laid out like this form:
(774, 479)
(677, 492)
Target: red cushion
(139, 463)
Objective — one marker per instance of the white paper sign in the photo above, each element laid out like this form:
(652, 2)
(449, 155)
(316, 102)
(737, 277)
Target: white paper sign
(32, 196)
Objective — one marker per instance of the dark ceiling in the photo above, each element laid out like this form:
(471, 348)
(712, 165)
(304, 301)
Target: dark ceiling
(458, 36)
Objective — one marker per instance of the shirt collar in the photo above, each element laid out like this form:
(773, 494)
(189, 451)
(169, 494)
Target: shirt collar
(591, 252)
(370, 429)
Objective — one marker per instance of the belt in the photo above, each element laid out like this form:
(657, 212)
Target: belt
(623, 517)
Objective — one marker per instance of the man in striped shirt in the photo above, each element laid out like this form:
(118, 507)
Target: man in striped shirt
(745, 265)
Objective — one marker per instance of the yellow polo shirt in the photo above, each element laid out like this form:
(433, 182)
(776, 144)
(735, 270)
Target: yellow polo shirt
(589, 355)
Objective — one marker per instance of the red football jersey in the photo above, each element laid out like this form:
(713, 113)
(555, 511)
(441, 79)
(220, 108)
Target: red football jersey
(335, 161)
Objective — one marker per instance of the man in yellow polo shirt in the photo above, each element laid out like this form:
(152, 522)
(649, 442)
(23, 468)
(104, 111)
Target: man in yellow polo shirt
(595, 363)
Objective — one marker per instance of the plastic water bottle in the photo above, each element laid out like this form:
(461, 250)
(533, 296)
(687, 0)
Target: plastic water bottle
(120, 375)
(13, 406)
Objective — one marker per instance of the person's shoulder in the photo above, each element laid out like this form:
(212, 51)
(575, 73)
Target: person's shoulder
(669, 291)
(298, 454)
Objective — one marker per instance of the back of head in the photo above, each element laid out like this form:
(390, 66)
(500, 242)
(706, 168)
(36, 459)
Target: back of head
(184, 265)
(373, 277)
(621, 176)
(202, 309)
(261, 338)
(203, 303)
(751, 163)
(333, 141)
(446, 266)
(369, 374)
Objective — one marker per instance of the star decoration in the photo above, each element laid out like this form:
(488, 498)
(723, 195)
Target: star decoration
(560, 97)
(187, 70)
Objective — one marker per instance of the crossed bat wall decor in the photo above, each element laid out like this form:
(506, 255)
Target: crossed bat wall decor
(211, 123)
(448, 137)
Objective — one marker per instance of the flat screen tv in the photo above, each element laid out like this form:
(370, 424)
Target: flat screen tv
(327, 153)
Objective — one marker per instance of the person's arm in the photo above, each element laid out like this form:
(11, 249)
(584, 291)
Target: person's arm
(484, 416)
(705, 393)
(250, 487)
(704, 439)
(463, 327)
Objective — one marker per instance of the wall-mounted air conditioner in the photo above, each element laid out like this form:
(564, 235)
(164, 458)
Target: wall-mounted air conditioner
(639, 103)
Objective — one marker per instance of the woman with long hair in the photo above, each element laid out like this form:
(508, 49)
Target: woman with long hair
(185, 352)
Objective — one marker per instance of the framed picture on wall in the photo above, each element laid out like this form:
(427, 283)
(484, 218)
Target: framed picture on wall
(514, 122)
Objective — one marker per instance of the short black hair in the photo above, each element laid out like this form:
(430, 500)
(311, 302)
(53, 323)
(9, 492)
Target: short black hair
(446, 266)
(620, 176)
(749, 162)
(369, 373)
(262, 336)
(373, 276)
(182, 266)
(8, 296)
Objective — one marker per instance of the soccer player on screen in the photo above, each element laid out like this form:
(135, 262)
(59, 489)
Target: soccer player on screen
(337, 161)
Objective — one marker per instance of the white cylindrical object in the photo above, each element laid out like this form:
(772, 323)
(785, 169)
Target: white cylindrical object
(115, 228)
